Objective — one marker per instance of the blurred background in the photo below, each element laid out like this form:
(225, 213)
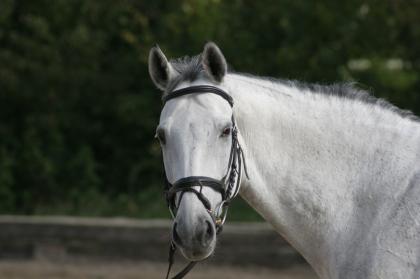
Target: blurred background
(78, 111)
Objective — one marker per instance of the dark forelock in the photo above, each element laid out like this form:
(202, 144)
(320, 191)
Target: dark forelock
(188, 68)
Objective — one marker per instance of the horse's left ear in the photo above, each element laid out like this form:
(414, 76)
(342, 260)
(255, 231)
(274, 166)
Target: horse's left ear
(214, 62)
(160, 69)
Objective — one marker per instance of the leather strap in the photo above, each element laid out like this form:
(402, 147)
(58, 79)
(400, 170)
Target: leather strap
(184, 271)
(196, 90)
(186, 184)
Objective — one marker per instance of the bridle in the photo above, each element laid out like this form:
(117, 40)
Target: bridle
(228, 186)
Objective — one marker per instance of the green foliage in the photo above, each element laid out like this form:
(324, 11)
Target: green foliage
(78, 112)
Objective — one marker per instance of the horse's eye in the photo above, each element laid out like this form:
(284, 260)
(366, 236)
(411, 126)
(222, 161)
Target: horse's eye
(226, 132)
(160, 135)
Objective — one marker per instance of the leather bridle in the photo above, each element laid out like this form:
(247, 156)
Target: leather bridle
(228, 186)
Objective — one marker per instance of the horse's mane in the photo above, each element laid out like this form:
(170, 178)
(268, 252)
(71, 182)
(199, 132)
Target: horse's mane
(345, 90)
(190, 68)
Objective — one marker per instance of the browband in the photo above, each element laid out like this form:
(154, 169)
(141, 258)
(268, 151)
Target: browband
(198, 89)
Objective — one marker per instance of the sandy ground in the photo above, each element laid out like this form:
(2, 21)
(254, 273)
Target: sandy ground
(142, 270)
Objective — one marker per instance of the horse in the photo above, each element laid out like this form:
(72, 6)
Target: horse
(333, 169)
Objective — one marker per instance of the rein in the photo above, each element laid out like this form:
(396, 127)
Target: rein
(228, 186)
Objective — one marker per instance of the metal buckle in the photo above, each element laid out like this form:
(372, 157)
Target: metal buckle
(221, 213)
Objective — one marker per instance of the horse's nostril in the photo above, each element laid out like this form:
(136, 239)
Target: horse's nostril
(209, 230)
(175, 236)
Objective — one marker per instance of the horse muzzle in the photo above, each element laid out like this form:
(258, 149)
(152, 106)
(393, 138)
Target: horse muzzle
(197, 241)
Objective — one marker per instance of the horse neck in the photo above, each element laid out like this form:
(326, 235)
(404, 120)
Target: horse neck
(304, 154)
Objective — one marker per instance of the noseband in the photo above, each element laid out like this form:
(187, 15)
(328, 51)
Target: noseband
(228, 186)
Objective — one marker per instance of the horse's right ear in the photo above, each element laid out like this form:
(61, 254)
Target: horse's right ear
(160, 70)
(214, 62)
